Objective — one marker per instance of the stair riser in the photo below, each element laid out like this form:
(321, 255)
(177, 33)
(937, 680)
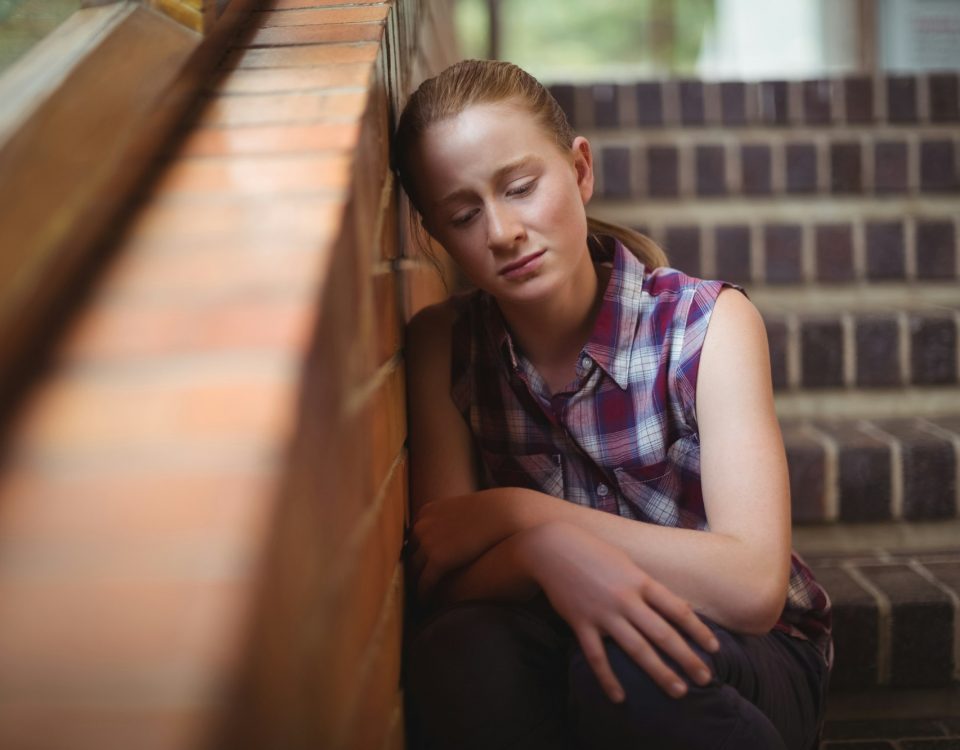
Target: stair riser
(779, 252)
(895, 620)
(877, 470)
(864, 349)
(895, 99)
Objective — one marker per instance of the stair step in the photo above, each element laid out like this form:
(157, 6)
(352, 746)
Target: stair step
(928, 402)
(903, 100)
(720, 165)
(864, 348)
(859, 470)
(783, 243)
(895, 617)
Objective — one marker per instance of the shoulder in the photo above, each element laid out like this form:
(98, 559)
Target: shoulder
(735, 322)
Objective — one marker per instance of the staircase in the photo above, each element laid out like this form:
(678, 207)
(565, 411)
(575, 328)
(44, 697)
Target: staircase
(835, 203)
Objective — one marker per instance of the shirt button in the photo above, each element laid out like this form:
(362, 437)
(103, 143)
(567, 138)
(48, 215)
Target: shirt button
(602, 490)
(585, 363)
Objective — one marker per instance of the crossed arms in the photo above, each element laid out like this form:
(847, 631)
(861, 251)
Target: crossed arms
(638, 583)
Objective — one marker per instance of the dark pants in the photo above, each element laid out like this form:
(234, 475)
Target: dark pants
(493, 676)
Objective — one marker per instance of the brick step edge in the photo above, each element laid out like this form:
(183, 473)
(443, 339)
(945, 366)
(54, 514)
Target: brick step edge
(862, 470)
(811, 252)
(897, 99)
(718, 166)
(863, 349)
(894, 618)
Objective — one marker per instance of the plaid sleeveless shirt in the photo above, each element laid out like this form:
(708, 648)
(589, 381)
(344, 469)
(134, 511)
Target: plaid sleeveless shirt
(624, 439)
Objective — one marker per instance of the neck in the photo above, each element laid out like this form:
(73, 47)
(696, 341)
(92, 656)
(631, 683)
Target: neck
(552, 331)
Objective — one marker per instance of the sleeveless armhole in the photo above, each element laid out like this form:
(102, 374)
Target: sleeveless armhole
(696, 320)
(461, 354)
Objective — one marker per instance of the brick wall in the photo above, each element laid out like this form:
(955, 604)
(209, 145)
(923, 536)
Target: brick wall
(202, 499)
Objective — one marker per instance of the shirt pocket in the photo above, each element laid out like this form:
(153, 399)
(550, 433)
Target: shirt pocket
(534, 471)
(649, 492)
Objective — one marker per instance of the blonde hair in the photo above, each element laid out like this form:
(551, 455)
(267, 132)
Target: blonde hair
(472, 82)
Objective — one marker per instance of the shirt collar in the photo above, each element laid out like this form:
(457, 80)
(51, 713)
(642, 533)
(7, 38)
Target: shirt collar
(616, 324)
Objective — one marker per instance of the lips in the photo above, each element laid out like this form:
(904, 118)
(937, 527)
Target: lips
(519, 264)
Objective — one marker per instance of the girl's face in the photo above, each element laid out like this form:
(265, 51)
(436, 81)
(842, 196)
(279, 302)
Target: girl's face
(505, 201)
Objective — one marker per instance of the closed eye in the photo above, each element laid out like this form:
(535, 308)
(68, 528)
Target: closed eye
(522, 189)
(459, 221)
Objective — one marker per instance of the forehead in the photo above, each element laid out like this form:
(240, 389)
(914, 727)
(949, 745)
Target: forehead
(479, 140)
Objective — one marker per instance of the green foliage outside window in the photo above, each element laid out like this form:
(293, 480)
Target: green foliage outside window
(571, 38)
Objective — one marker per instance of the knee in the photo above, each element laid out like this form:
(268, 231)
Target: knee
(648, 714)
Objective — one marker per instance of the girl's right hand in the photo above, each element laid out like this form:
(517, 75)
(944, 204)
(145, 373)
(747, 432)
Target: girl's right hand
(598, 590)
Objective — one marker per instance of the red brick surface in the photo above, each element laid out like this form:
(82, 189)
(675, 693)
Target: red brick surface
(203, 501)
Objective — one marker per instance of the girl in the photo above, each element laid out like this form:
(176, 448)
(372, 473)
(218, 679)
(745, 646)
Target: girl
(601, 515)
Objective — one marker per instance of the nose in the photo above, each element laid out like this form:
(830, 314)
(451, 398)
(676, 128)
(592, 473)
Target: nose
(504, 227)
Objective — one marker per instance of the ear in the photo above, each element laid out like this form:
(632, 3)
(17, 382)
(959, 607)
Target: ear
(583, 164)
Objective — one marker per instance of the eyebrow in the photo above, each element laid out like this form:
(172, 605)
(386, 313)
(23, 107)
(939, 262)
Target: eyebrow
(521, 163)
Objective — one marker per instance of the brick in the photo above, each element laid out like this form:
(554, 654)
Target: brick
(778, 344)
(683, 245)
(932, 744)
(944, 106)
(662, 172)
(606, 111)
(864, 473)
(845, 168)
(732, 252)
(649, 104)
(155, 328)
(782, 249)
(902, 99)
(290, 108)
(307, 55)
(616, 172)
(855, 634)
(929, 470)
(82, 499)
(294, 4)
(273, 176)
(807, 462)
(937, 169)
(878, 727)
(386, 308)
(309, 16)
(858, 99)
(691, 102)
(269, 139)
(933, 349)
(886, 252)
(890, 167)
(565, 94)
(772, 99)
(733, 103)
(821, 352)
(834, 252)
(755, 163)
(936, 250)
(711, 170)
(947, 573)
(801, 168)
(878, 358)
(816, 101)
(277, 36)
(267, 81)
(922, 627)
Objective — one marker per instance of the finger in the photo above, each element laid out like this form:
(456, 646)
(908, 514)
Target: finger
(681, 613)
(669, 640)
(636, 646)
(596, 655)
